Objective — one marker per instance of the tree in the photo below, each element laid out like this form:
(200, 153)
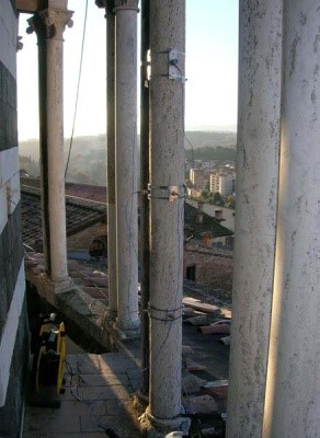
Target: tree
(217, 199)
(205, 194)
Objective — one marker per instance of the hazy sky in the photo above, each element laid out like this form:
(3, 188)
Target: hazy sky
(211, 69)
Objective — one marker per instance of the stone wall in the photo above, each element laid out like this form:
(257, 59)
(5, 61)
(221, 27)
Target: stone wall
(10, 413)
(80, 242)
(213, 267)
(13, 317)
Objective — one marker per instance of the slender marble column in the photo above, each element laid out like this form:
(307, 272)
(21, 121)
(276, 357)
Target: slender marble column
(144, 236)
(127, 166)
(111, 174)
(49, 25)
(167, 45)
(293, 384)
(257, 188)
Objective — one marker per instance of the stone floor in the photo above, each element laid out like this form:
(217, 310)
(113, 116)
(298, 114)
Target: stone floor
(97, 399)
(99, 387)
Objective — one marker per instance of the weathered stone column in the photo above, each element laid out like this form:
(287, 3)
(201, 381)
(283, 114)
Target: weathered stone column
(257, 187)
(111, 174)
(49, 25)
(167, 45)
(126, 165)
(144, 236)
(293, 384)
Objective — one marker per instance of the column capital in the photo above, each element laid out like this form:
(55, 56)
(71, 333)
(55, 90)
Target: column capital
(50, 23)
(108, 5)
(128, 5)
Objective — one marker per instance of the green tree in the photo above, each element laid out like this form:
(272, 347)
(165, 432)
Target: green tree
(217, 199)
(205, 194)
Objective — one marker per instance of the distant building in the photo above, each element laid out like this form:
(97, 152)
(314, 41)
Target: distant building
(223, 183)
(209, 165)
(199, 179)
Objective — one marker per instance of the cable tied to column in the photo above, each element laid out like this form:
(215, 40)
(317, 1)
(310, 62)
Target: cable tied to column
(165, 315)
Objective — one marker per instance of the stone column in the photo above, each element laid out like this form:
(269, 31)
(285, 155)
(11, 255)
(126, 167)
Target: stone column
(144, 236)
(111, 174)
(167, 45)
(126, 166)
(293, 385)
(49, 25)
(257, 187)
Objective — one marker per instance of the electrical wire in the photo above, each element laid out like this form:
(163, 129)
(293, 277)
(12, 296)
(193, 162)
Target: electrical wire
(78, 86)
(183, 80)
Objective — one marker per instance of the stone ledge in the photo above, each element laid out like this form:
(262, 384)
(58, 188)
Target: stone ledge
(90, 315)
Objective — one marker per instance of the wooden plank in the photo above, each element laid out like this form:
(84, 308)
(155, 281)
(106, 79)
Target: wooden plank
(217, 329)
(191, 365)
(201, 307)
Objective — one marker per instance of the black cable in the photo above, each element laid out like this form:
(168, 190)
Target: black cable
(78, 86)
(183, 80)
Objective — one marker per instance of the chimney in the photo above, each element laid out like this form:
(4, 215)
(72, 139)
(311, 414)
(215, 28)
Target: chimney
(200, 213)
(218, 214)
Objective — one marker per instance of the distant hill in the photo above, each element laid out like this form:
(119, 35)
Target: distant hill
(93, 145)
(211, 139)
(87, 145)
(88, 156)
(212, 154)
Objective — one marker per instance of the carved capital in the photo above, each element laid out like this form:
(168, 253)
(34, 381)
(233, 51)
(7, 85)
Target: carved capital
(131, 5)
(107, 5)
(50, 23)
(110, 6)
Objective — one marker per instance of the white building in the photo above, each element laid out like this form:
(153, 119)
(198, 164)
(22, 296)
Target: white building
(223, 183)
(199, 179)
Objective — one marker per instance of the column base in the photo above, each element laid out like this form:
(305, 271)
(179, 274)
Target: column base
(140, 404)
(127, 332)
(61, 285)
(159, 428)
(111, 316)
(142, 399)
(50, 288)
(166, 425)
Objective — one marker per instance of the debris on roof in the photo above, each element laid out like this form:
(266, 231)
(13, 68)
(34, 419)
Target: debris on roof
(218, 329)
(195, 304)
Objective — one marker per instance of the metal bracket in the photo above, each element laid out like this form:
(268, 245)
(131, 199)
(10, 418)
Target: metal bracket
(175, 72)
(171, 193)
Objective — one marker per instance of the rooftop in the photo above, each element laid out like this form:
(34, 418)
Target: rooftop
(80, 214)
(84, 208)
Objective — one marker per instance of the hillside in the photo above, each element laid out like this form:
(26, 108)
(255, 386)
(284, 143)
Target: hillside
(88, 156)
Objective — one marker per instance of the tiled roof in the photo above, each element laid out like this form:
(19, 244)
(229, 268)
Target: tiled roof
(91, 192)
(83, 213)
(209, 224)
(80, 215)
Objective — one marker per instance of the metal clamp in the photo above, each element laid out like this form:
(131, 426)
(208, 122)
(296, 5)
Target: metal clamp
(175, 72)
(171, 193)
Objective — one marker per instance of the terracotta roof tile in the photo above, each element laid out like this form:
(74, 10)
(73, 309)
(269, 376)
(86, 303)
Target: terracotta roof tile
(80, 215)
(85, 208)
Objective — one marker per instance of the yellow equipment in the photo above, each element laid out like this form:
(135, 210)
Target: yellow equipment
(50, 354)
